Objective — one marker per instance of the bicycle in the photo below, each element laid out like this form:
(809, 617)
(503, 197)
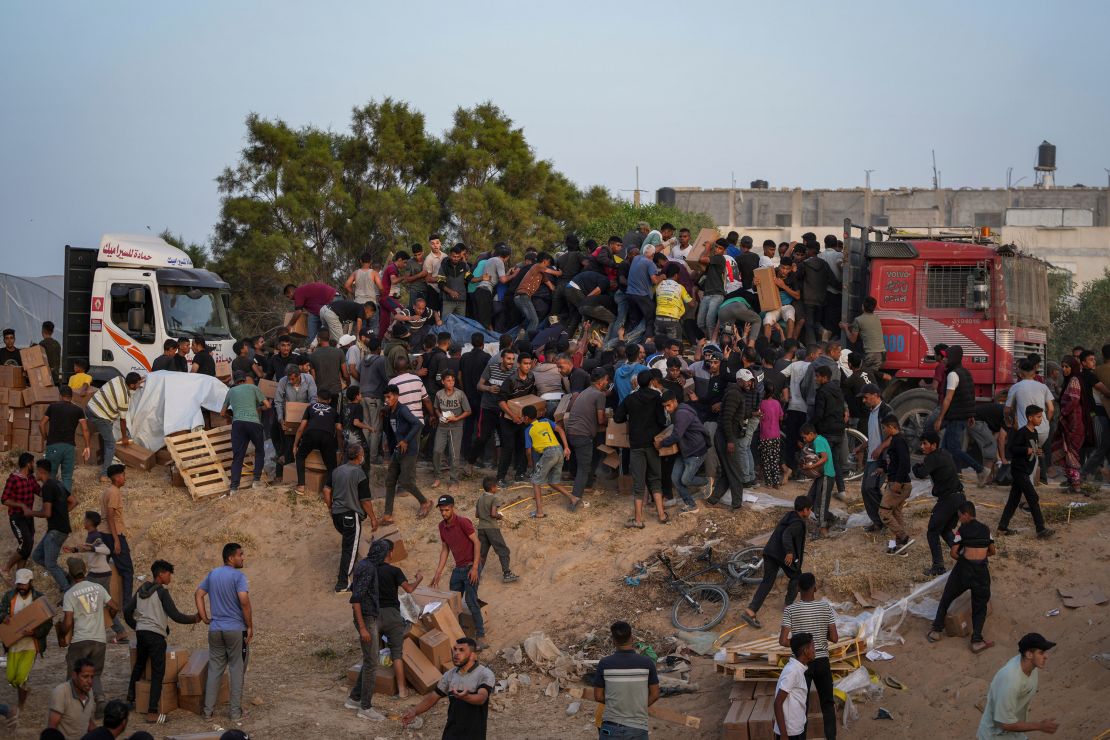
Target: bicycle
(701, 606)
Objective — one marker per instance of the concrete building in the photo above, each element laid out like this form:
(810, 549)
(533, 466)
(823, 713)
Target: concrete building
(1067, 226)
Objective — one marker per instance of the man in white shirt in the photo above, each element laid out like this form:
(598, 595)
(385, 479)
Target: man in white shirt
(791, 691)
(770, 250)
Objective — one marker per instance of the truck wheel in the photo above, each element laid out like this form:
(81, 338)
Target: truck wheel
(912, 408)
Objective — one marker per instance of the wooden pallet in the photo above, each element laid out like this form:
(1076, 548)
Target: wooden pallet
(220, 439)
(769, 649)
(199, 464)
(755, 671)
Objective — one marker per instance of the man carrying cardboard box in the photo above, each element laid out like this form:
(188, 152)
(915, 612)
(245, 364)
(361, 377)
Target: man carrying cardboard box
(467, 686)
(22, 654)
(230, 629)
(510, 425)
(459, 539)
(148, 613)
(108, 405)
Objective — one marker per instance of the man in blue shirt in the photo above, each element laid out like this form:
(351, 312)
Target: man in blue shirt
(643, 276)
(230, 628)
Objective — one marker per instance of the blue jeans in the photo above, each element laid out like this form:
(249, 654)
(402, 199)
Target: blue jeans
(611, 730)
(460, 581)
(707, 313)
(953, 441)
(62, 456)
(622, 315)
(685, 473)
(313, 326)
(527, 313)
(107, 431)
(747, 460)
(46, 554)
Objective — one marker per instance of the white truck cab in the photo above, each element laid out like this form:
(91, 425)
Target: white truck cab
(126, 298)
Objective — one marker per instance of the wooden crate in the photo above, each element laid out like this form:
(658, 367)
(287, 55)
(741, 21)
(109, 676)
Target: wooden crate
(198, 464)
(769, 649)
(220, 439)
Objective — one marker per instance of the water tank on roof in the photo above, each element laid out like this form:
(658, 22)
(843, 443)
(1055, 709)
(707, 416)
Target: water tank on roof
(665, 196)
(760, 185)
(1046, 157)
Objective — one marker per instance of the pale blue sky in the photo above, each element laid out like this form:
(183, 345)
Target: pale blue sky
(116, 116)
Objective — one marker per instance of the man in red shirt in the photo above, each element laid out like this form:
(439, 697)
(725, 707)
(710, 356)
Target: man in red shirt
(20, 490)
(458, 536)
(308, 299)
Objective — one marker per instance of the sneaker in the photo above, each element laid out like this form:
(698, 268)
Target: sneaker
(670, 502)
(873, 528)
(352, 704)
(839, 495)
(510, 577)
(482, 645)
(935, 570)
(257, 484)
(1044, 534)
(342, 589)
(983, 476)
(689, 509)
(502, 484)
(891, 546)
(371, 713)
(903, 545)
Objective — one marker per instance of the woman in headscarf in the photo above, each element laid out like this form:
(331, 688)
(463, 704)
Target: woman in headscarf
(1074, 424)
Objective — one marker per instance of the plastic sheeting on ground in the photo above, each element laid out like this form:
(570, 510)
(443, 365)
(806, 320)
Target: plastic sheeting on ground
(172, 402)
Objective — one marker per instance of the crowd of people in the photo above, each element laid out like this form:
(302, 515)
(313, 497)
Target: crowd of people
(600, 334)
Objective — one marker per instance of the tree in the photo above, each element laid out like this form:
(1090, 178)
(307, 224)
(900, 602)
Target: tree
(197, 253)
(1079, 317)
(618, 218)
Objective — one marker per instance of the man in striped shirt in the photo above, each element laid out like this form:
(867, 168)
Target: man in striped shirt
(105, 407)
(410, 389)
(627, 684)
(816, 618)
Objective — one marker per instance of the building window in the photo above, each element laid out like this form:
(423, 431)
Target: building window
(993, 220)
(880, 221)
(783, 219)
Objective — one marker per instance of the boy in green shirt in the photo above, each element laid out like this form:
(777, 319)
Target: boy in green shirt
(489, 529)
(820, 490)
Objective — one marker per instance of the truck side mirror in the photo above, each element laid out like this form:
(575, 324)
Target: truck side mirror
(136, 319)
(136, 295)
(978, 291)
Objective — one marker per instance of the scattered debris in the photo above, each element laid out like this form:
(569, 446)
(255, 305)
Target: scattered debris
(1077, 596)
(573, 708)
(884, 714)
(877, 655)
(1052, 613)
(541, 650)
(552, 689)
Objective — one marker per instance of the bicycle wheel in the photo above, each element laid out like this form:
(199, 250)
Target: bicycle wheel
(746, 566)
(853, 468)
(699, 607)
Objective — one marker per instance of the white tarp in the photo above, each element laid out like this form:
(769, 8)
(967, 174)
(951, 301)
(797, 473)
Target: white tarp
(171, 402)
(26, 302)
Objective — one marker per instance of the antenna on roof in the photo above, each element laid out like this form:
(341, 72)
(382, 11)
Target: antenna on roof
(936, 175)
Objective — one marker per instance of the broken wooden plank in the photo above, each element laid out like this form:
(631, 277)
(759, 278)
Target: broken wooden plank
(670, 715)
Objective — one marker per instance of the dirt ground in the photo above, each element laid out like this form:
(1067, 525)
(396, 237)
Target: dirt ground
(572, 568)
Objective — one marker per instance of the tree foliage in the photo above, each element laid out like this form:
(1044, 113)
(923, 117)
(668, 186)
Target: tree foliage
(197, 253)
(302, 204)
(1079, 317)
(618, 218)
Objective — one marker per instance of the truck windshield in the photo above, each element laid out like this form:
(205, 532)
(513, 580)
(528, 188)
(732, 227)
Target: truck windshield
(196, 312)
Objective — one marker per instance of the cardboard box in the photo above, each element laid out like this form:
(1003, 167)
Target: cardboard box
(3, 396)
(268, 388)
(670, 449)
(192, 677)
(314, 481)
(298, 328)
(20, 418)
(36, 445)
(423, 595)
(38, 612)
(957, 622)
(444, 620)
(28, 397)
(167, 702)
(223, 370)
(564, 406)
(294, 412)
(21, 439)
(38, 411)
(420, 673)
(385, 680)
(11, 376)
(517, 405)
(41, 394)
(33, 356)
(289, 474)
(392, 533)
(135, 456)
(616, 435)
(163, 457)
(765, 288)
(39, 377)
(466, 620)
(315, 461)
(195, 703)
(435, 646)
(176, 659)
(610, 456)
(175, 478)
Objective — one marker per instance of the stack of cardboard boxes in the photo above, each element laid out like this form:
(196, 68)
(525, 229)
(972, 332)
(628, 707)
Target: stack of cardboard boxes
(24, 395)
(176, 659)
(191, 679)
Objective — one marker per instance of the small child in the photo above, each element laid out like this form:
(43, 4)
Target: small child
(972, 546)
(1023, 449)
(539, 438)
(820, 491)
(80, 378)
(896, 463)
(95, 550)
(770, 442)
(489, 529)
(354, 428)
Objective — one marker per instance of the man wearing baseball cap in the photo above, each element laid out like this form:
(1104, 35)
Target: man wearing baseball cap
(1011, 692)
(22, 654)
(459, 538)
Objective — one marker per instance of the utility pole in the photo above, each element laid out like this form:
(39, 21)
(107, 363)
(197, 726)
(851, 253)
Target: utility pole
(1107, 171)
(867, 176)
(1009, 172)
(936, 175)
(636, 192)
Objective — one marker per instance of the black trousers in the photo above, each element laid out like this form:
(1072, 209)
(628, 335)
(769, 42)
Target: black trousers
(1022, 486)
(493, 538)
(729, 477)
(642, 308)
(483, 307)
(484, 427)
(315, 439)
(512, 447)
(771, 568)
(349, 527)
(941, 523)
(793, 427)
(148, 646)
(964, 576)
(819, 673)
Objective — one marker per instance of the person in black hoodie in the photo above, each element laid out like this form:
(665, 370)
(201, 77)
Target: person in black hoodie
(148, 613)
(643, 411)
(957, 410)
(783, 552)
(830, 418)
(948, 491)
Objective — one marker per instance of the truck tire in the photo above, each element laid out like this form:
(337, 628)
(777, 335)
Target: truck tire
(912, 408)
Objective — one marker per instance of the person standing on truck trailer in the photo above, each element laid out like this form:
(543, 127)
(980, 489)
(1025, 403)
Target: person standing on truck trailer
(105, 407)
(957, 410)
(833, 255)
(817, 276)
(53, 351)
(868, 328)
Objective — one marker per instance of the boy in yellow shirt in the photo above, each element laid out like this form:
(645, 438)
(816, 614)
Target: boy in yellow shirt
(670, 304)
(80, 377)
(540, 439)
